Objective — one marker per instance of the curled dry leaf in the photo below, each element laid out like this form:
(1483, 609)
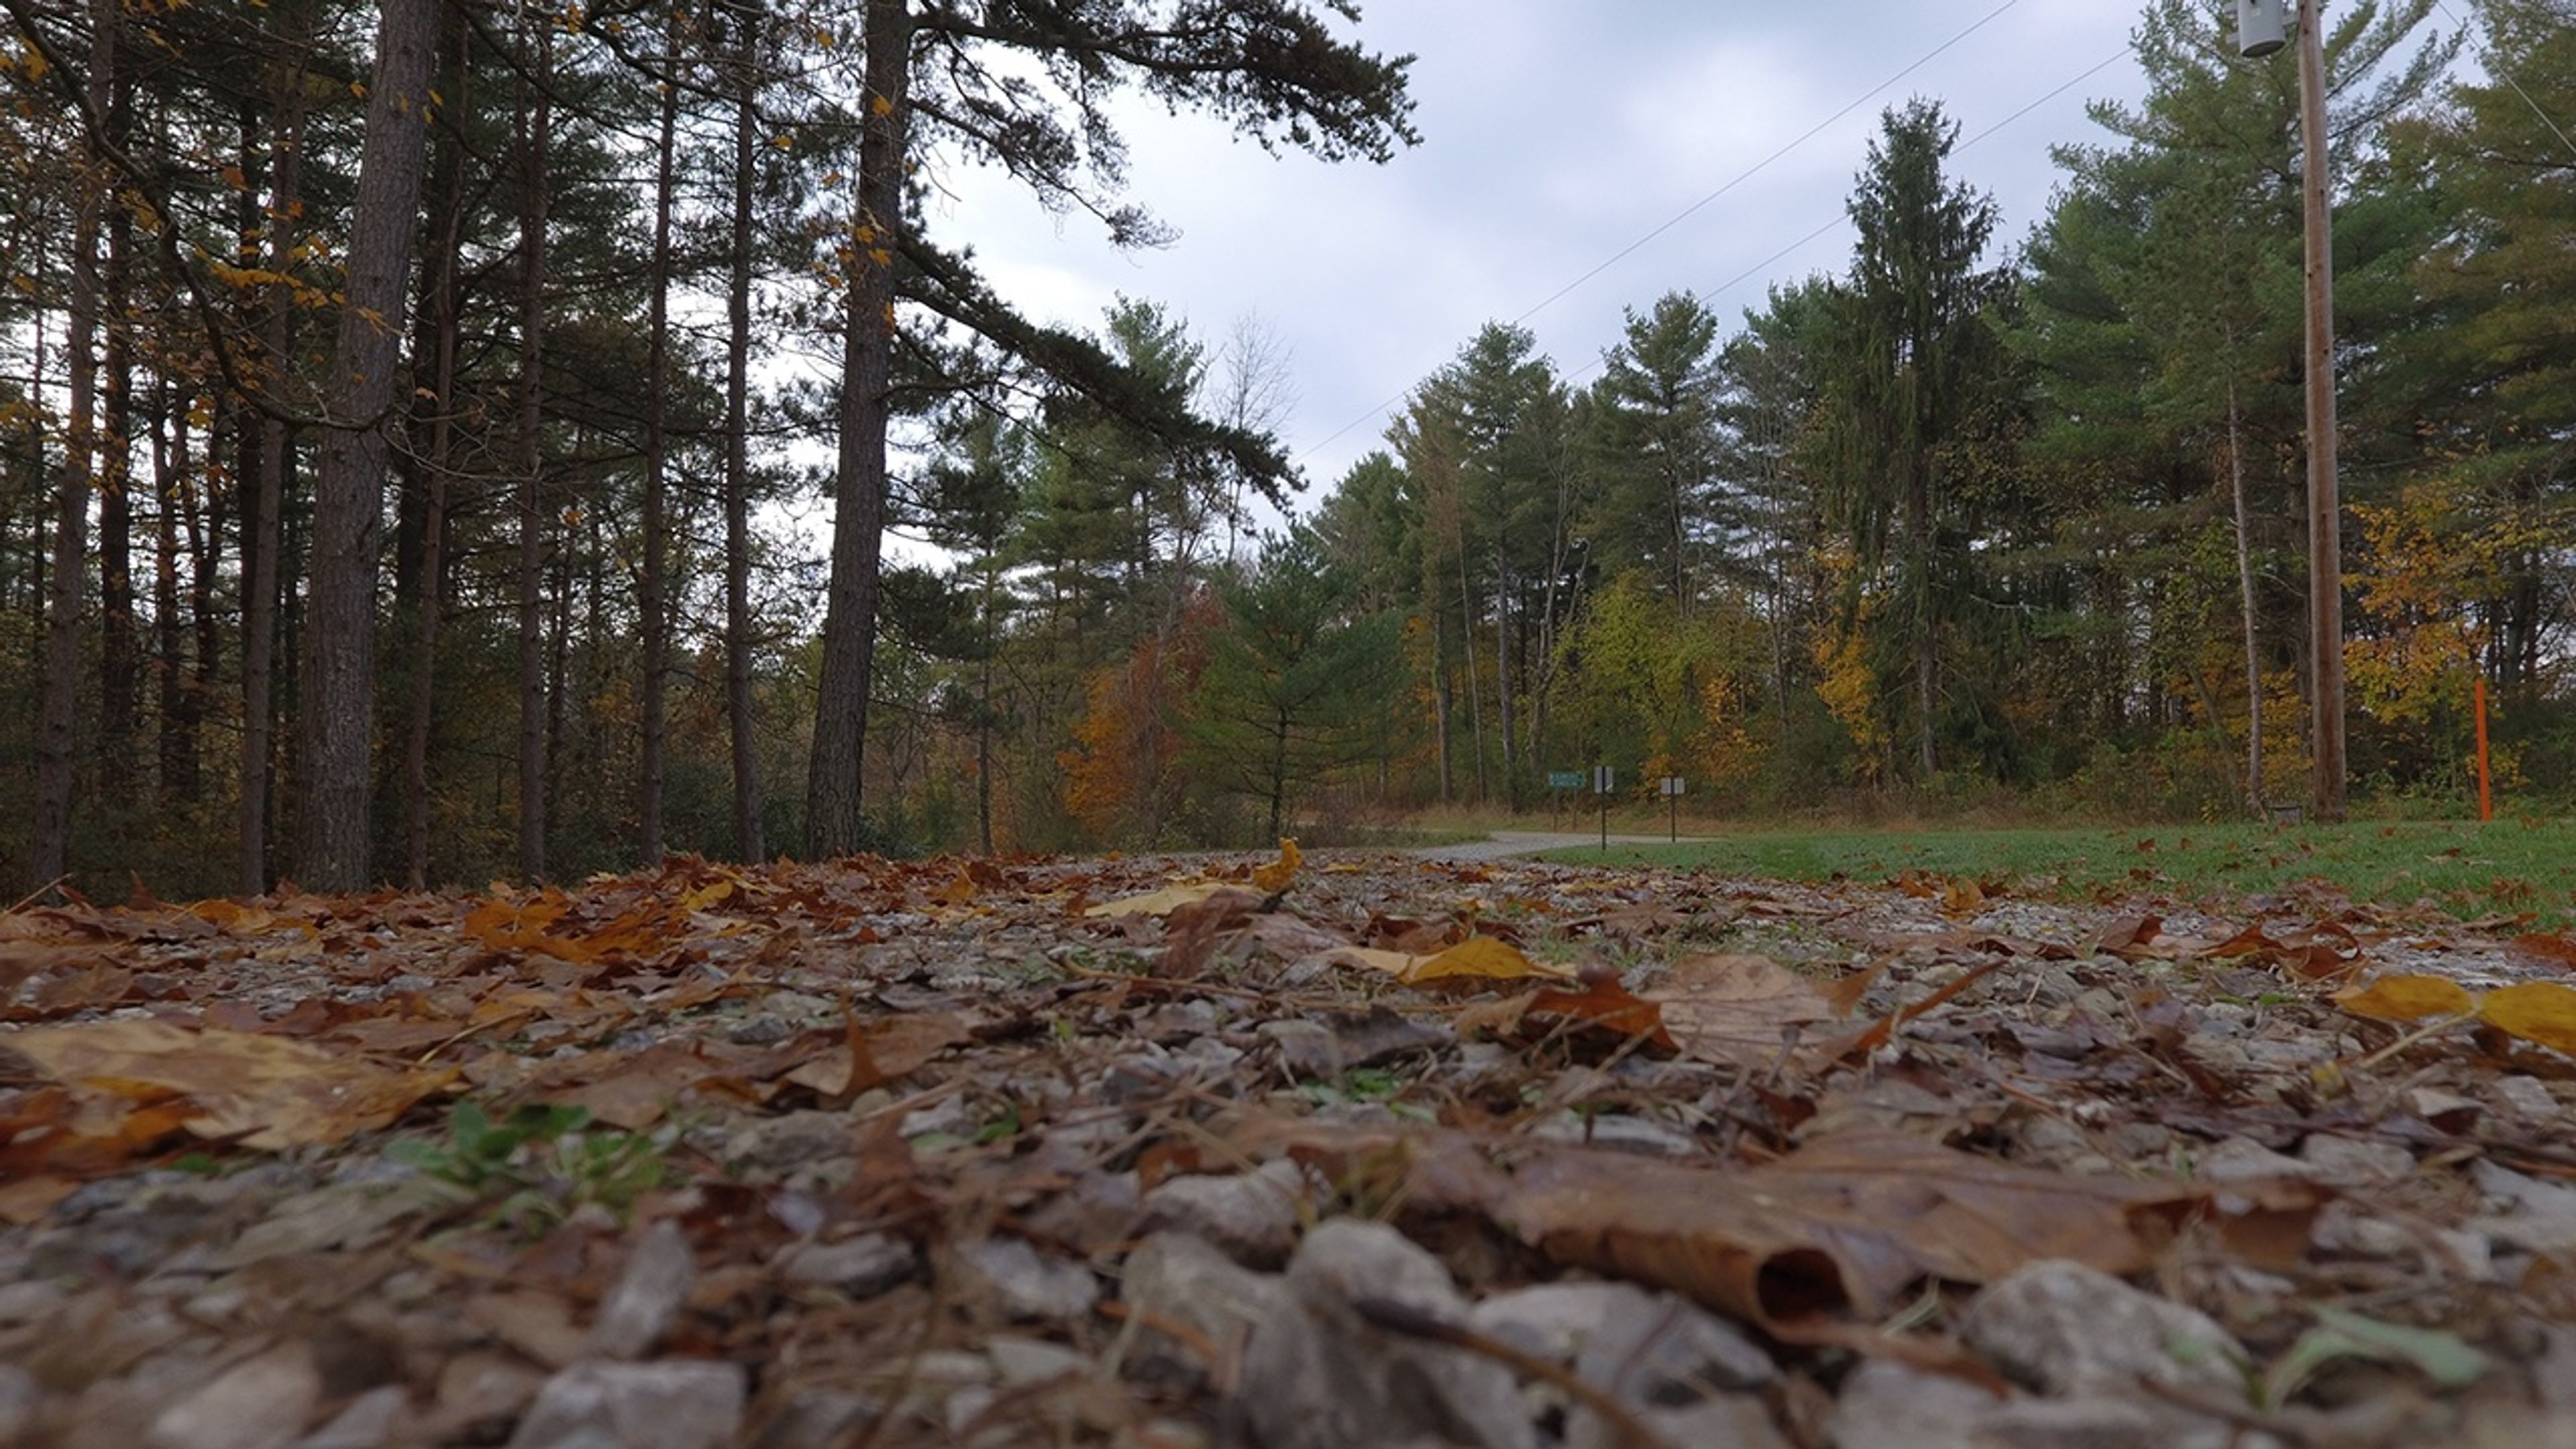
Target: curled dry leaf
(2407, 998)
(269, 1092)
(1477, 957)
(1278, 874)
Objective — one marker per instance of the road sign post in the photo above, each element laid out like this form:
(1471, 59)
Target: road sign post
(1673, 808)
(1604, 780)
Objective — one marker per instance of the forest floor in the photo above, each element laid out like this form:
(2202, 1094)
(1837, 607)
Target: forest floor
(1361, 1149)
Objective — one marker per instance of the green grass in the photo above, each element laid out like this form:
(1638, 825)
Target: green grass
(2512, 867)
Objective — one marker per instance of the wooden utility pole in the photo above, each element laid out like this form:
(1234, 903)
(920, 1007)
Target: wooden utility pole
(2325, 509)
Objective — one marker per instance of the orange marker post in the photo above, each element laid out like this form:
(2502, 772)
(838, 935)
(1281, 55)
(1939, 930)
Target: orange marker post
(2486, 802)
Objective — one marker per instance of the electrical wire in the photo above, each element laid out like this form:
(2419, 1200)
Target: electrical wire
(2506, 76)
(1688, 211)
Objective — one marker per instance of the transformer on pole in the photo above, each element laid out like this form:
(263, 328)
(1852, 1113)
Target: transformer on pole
(2262, 27)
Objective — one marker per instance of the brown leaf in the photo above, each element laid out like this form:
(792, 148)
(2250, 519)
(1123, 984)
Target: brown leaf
(1158, 902)
(1275, 877)
(2131, 938)
(877, 1052)
(1841, 1225)
(1607, 1003)
(270, 1092)
(2407, 998)
(1737, 1009)
(2556, 950)
(1876, 1035)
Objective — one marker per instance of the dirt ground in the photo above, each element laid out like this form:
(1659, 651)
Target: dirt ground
(1348, 1149)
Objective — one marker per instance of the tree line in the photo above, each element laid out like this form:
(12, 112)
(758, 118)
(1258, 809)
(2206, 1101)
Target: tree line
(409, 419)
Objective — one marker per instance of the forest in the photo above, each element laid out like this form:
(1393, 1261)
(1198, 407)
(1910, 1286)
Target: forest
(445, 441)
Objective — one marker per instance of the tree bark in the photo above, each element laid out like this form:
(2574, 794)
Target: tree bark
(174, 747)
(536, 123)
(834, 781)
(338, 661)
(657, 624)
(747, 842)
(431, 590)
(56, 710)
(119, 651)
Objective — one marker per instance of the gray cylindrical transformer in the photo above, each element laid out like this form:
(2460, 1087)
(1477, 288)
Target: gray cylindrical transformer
(2262, 26)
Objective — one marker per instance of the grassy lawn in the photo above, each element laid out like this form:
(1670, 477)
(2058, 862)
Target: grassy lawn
(2513, 867)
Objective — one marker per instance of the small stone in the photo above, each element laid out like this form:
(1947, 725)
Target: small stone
(1317, 1375)
(1025, 1284)
(1252, 1216)
(1189, 1281)
(2064, 1328)
(641, 1307)
(761, 1030)
(947, 1117)
(667, 1404)
(785, 1143)
(2351, 1162)
(862, 1267)
(369, 1422)
(2241, 1159)
(1647, 1348)
(259, 1403)
(1885, 1405)
(1727, 1421)
(2086, 1423)
(2525, 1097)
(1020, 1362)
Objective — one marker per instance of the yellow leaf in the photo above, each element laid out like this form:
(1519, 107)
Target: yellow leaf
(2536, 1011)
(1158, 903)
(2407, 998)
(1274, 877)
(1477, 956)
(880, 106)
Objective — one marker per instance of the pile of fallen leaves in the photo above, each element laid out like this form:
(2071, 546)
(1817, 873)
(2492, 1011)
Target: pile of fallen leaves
(1288, 1152)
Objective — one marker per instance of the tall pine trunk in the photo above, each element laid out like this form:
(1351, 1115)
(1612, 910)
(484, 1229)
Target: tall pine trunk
(657, 624)
(448, 187)
(834, 779)
(337, 666)
(120, 655)
(747, 841)
(535, 126)
(261, 534)
(57, 707)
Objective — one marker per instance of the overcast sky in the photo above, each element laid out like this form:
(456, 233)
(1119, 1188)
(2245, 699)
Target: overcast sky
(1555, 134)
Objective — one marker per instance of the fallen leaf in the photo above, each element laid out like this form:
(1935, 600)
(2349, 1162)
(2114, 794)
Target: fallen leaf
(2536, 1011)
(878, 1052)
(1158, 902)
(1842, 1225)
(270, 1092)
(2556, 950)
(1737, 1009)
(2407, 998)
(1482, 956)
(1276, 876)
(1607, 1003)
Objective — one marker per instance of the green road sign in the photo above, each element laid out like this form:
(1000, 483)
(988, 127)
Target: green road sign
(1565, 779)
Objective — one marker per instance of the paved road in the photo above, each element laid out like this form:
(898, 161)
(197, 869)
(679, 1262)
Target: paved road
(1503, 843)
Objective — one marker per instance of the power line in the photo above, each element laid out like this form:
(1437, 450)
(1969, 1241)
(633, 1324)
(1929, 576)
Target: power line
(1687, 212)
(2506, 76)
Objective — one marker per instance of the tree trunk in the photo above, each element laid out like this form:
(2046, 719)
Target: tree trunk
(747, 842)
(56, 709)
(337, 667)
(431, 602)
(657, 624)
(536, 123)
(119, 652)
(832, 811)
(174, 749)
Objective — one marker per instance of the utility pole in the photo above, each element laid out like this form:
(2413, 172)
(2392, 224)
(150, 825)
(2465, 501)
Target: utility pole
(2259, 27)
